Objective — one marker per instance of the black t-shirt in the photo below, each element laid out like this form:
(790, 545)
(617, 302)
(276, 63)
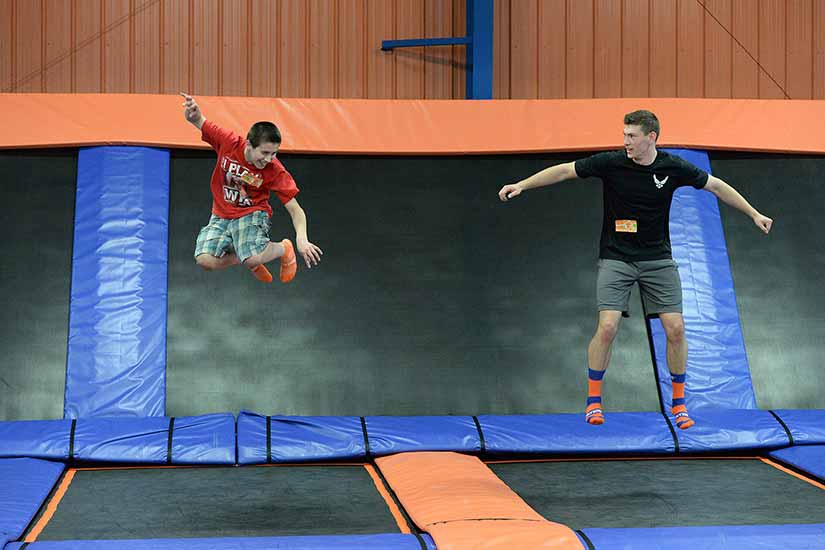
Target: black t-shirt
(637, 202)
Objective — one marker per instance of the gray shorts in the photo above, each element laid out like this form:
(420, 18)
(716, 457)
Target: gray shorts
(659, 285)
(245, 236)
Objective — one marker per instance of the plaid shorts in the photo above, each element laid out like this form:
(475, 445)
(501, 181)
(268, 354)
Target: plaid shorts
(246, 236)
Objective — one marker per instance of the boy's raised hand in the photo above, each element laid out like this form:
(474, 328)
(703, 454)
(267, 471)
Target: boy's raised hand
(192, 112)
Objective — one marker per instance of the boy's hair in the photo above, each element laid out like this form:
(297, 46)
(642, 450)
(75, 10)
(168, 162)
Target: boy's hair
(645, 119)
(263, 132)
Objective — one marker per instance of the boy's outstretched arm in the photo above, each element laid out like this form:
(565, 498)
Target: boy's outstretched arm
(308, 251)
(192, 112)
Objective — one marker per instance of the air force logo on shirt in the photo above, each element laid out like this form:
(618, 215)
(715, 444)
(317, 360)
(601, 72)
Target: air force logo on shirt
(660, 183)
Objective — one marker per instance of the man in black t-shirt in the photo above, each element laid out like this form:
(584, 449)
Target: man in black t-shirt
(638, 185)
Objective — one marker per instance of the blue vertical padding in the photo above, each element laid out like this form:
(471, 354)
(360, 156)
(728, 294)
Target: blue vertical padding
(116, 363)
(717, 371)
(479, 80)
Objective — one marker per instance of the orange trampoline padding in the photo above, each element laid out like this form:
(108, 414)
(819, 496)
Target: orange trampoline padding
(413, 127)
(498, 535)
(463, 504)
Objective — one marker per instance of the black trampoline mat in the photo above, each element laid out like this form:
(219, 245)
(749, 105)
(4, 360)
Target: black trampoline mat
(227, 502)
(663, 493)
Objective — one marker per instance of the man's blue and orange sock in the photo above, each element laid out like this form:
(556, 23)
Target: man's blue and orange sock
(593, 414)
(678, 409)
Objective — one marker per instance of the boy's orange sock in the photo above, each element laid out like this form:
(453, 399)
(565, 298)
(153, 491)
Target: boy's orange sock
(261, 273)
(289, 265)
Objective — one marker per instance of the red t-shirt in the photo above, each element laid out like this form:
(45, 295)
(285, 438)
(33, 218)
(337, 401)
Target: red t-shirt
(239, 188)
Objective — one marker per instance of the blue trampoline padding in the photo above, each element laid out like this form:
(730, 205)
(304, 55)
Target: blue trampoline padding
(24, 485)
(718, 375)
(808, 458)
(343, 542)
(116, 360)
(739, 537)
(140, 440)
(206, 439)
(732, 430)
(35, 439)
(807, 426)
(299, 438)
(401, 434)
(623, 432)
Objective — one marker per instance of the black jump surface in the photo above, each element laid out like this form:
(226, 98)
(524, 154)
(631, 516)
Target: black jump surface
(37, 191)
(778, 277)
(227, 502)
(433, 297)
(663, 493)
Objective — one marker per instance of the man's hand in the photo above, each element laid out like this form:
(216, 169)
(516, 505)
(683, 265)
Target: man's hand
(762, 222)
(509, 191)
(192, 113)
(309, 252)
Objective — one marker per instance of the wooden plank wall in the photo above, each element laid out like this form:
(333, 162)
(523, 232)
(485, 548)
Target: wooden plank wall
(331, 48)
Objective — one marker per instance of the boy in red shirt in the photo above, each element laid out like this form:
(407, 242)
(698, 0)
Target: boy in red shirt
(246, 172)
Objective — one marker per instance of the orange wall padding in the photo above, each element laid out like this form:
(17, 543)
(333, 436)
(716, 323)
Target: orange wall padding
(401, 127)
(463, 505)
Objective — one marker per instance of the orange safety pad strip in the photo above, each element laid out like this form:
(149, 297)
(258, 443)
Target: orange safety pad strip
(394, 510)
(411, 127)
(51, 508)
(213, 466)
(791, 472)
(463, 504)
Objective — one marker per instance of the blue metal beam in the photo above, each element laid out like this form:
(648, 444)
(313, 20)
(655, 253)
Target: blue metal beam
(479, 42)
(387, 45)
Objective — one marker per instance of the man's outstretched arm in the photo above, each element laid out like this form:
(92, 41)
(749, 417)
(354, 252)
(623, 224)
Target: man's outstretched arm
(731, 197)
(548, 176)
(192, 112)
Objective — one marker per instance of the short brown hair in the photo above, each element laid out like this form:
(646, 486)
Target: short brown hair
(263, 132)
(645, 119)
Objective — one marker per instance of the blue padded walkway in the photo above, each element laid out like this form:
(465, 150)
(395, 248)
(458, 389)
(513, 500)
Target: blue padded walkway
(258, 439)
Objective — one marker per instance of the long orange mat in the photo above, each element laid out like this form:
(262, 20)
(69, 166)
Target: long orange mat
(463, 505)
